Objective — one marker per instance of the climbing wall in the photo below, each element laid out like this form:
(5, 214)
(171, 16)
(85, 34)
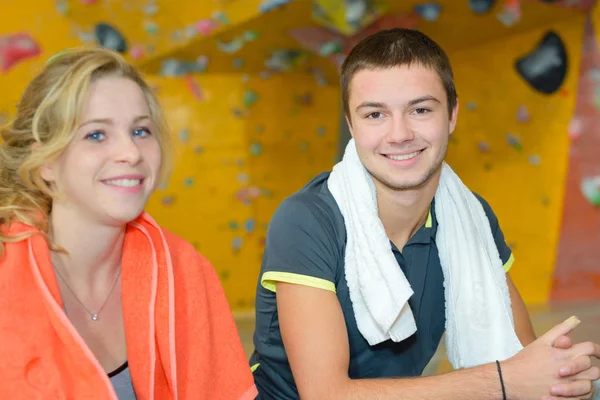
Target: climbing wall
(250, 88)
(511, 145)
(28, 36)
(577, 275)
(237, 158)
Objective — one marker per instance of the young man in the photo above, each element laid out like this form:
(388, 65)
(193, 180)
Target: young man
(401, 106)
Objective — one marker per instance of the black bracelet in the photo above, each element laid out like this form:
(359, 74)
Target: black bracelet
(501, 380)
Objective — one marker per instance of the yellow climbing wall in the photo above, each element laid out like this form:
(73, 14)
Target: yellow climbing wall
(241, 147)
(243, 141)
(45, 27)
(522, 179)
(247, 138)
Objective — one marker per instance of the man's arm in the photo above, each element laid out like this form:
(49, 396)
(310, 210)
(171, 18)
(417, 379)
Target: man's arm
(314, 334)
(523, 326)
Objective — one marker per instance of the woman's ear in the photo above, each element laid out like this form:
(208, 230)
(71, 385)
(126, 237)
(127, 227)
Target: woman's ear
(47, 170)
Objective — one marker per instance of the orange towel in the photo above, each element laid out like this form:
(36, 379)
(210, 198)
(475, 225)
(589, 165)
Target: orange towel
(182, 342)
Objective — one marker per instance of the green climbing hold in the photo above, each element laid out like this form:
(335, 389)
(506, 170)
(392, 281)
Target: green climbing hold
(250, 97)
(330, 48)
(590, 188)
(255, 149)
(250, 36)
(151, 27)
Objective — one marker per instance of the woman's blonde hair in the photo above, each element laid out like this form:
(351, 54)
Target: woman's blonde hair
(47, 117)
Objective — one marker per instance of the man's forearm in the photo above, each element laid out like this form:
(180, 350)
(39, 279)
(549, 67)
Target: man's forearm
(478, 383)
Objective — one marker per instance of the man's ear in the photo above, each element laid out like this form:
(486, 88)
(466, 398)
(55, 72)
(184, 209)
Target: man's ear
(454, 118)
(349, 126)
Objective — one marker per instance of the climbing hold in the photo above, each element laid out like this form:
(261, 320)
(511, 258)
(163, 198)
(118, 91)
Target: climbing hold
(245, 78)
(250, 97)
(168, 200)
(255, 149)
(254, 192)
(151, 27)
(62, 7)
(198, 150)
(514, 142)
(535, 160)
(173, 67)
(321, 131)
(249, 225)
(523, 114)
(260, 129)
(220, 17)
(269, 5)
(285, 60)
(236, 243)
(136, 52)
(511, 13)
(238, 62)
(575, 128)
(590, 187)
(242, 177)
(109, 37)
(188, 182)
(230, 47)
(250, 36)
(429, 11)
(304, 99)
(201, 64)
(238, 113)
(163, 186)
(205, 26)
(190, 32)
(194, 87)
(303, 145)
(481, 6)
(233, 225)
(484, 147)
(15, 48)
(184, 135)
(545, 67)
(264, 74)
(150, 9)
(545, 200)
(594, 74)
(330, 48)
(471, 106)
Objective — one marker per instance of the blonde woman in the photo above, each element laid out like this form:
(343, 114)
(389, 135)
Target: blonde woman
(97, 301)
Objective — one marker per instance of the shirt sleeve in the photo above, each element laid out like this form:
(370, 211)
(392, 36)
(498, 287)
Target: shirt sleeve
(506, 254)
(301, 246)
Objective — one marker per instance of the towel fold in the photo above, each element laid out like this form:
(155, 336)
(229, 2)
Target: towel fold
(182, 342)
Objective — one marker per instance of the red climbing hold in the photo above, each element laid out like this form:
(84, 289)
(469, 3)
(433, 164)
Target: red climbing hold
(15, 48)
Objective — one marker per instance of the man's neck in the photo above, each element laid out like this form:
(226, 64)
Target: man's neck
(403, 212)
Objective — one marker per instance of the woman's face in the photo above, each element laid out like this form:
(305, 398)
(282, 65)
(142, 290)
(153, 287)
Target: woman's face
(111, 167)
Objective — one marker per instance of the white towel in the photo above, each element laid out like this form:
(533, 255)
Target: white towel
(479, 322)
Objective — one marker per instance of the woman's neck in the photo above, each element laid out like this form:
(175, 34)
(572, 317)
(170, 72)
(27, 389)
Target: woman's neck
(93, 250)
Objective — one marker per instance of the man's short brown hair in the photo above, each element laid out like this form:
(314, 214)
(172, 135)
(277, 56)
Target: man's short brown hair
(396, 47)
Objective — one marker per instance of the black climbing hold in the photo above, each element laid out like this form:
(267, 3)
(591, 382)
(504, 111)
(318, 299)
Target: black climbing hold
(481, 6)
(110, 38)
(545, 67)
